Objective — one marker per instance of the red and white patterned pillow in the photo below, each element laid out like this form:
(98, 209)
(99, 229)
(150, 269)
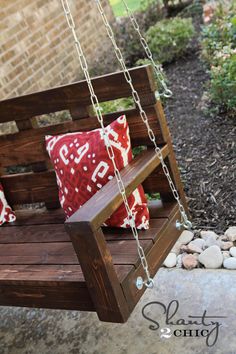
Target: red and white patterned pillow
(6, 213)
(82, 167)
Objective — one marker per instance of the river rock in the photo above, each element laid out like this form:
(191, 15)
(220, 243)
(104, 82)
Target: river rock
(199, 242)
(191, 248)
(223, 238)
(226, 254)
(194, 248)
(230, 263)
(206, 234)
(189, 261)
(212, 257)
(185, 237)
(230, 233)
(211, 241)
(226, 245)
(170, 260)
(179, 262)
(232, 251)
(176, 248)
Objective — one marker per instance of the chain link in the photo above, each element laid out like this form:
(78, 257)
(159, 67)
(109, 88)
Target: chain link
(110, 151)
(157, 68)
(184, 219)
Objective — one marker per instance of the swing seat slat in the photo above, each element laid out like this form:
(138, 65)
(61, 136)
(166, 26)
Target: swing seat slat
(79, 264)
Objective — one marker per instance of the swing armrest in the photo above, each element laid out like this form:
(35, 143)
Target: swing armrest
(94, 256)
(108, 199)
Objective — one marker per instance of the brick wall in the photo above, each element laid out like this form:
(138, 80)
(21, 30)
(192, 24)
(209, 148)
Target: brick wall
(36, 47)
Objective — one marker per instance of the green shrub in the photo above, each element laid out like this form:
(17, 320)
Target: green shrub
(169, 39)
(194, 10)
(223, 82)
(145, 4)
(216, 36)
(174, 7)
(117, 105)
(219, 52)
(127, 38)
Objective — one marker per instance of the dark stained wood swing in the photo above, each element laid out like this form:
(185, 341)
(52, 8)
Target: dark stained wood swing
(79, 265)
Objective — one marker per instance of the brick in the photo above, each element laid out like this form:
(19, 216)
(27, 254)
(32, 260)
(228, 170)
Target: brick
(7, 56)
(37, 48)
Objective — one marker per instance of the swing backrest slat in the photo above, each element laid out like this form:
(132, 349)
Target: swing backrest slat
(108, 87)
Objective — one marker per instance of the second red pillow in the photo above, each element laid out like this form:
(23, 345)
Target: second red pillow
(6, 213)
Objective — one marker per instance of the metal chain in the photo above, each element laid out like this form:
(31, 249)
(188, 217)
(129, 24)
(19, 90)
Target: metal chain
(184, 218)
(84, 66)
(157, 68)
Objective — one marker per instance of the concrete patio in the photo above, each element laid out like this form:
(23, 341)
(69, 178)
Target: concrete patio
(24, 331)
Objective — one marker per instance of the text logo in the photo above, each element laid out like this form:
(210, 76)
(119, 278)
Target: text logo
(202, 325)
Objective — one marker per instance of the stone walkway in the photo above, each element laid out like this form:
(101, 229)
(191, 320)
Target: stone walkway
(24, 331)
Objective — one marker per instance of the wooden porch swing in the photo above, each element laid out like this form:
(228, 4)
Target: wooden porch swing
(79, 265)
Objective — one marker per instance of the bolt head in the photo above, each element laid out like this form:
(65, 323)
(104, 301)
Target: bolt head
(139, 283)
(178, 225)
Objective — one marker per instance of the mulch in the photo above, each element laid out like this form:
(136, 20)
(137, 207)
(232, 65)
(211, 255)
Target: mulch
(205, 147)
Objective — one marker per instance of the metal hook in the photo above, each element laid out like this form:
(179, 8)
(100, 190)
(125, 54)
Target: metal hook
(186, 224)
(150, 283)
(168, 93)
(140, 283)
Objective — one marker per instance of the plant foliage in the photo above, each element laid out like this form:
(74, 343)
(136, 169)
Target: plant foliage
(170, 38)
(219, 52)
